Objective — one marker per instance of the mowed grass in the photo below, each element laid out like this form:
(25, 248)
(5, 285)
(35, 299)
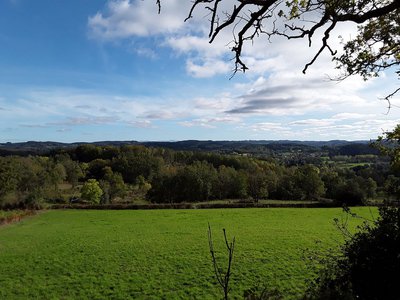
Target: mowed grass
(159, 254)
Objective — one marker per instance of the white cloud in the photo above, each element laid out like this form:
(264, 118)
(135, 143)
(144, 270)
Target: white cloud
(192, 44)
(268, 126)
(197, 123)
(77, 121)
(347, 116)
(312, 122)
(210, 122)
(312, 105)
(126, 18)
(219, 103)
(207, 68)
(164, 114)
(141, 124)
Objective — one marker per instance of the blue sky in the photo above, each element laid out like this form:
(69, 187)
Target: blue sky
(91, 70)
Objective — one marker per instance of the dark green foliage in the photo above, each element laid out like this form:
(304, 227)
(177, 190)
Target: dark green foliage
(392, 186)
(257, 184)
(369, 264)
(258, 293)
(96, 168)
(163, 188)
(231, 184)
(36, 179)
(346, 187)
(373, 257)
(134, 161)
(113, 185)
(74, 172)
(193, 183)
(349, 193)
(184, 176)
(309, 182)
(300, 183)
(8, 176)
(356, 149)
(87, 153)
(368, 267)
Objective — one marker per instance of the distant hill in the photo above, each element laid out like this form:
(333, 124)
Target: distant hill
(334, 147)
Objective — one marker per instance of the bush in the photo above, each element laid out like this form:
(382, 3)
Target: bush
(369, 265)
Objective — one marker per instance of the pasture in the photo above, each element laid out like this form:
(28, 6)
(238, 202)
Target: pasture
(160, 254)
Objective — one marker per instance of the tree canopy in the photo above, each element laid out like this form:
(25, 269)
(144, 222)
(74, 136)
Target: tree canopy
(375, 48)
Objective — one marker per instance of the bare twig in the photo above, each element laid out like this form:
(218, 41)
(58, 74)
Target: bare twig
(388, 98)
(158, 3)
(260, 10)
(222, 277)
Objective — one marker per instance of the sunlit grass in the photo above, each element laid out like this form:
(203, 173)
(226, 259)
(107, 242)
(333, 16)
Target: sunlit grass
(78, 254)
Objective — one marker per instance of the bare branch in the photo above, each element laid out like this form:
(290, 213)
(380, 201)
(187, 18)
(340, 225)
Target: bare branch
(158, 3)
(197, 2)
(324, 45)
(222, 277)
(357, 18)
(388, 99)
(332, 12)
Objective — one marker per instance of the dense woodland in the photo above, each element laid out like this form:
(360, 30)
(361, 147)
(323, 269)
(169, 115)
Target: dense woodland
(132, 173)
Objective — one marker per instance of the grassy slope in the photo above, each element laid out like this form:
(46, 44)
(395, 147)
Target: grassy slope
(157, 254)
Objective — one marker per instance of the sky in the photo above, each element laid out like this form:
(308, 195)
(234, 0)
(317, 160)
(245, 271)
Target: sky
(96, 70)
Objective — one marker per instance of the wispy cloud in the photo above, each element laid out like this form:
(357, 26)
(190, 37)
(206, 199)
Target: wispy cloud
(163, 114)
(207, 68)
(264, 105)
(77, 121)
(210, 122)
(350, 116)
(313, 122)
(33, 125)
(268, 126)
(142, 124)
(61, 130)
(145, 52)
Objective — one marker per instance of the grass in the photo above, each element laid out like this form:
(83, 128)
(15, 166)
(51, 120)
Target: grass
(158, 254)
(262, 201)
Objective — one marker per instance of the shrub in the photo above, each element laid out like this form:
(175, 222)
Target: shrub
(369, 265)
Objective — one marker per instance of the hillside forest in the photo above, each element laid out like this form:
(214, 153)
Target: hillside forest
(141, 174)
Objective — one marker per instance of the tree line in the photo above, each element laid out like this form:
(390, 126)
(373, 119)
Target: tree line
(107, 174)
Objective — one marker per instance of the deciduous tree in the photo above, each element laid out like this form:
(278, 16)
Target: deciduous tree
(91, 191)
(373, 49)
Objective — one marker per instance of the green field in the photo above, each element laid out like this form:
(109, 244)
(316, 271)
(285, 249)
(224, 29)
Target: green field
(158, 254)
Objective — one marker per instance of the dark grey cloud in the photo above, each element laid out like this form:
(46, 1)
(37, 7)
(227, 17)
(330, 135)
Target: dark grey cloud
(162, 115)
(257, 105)
(270, 97)
(155, 115)
(33, 126)
(288, 89)
(83, 106)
